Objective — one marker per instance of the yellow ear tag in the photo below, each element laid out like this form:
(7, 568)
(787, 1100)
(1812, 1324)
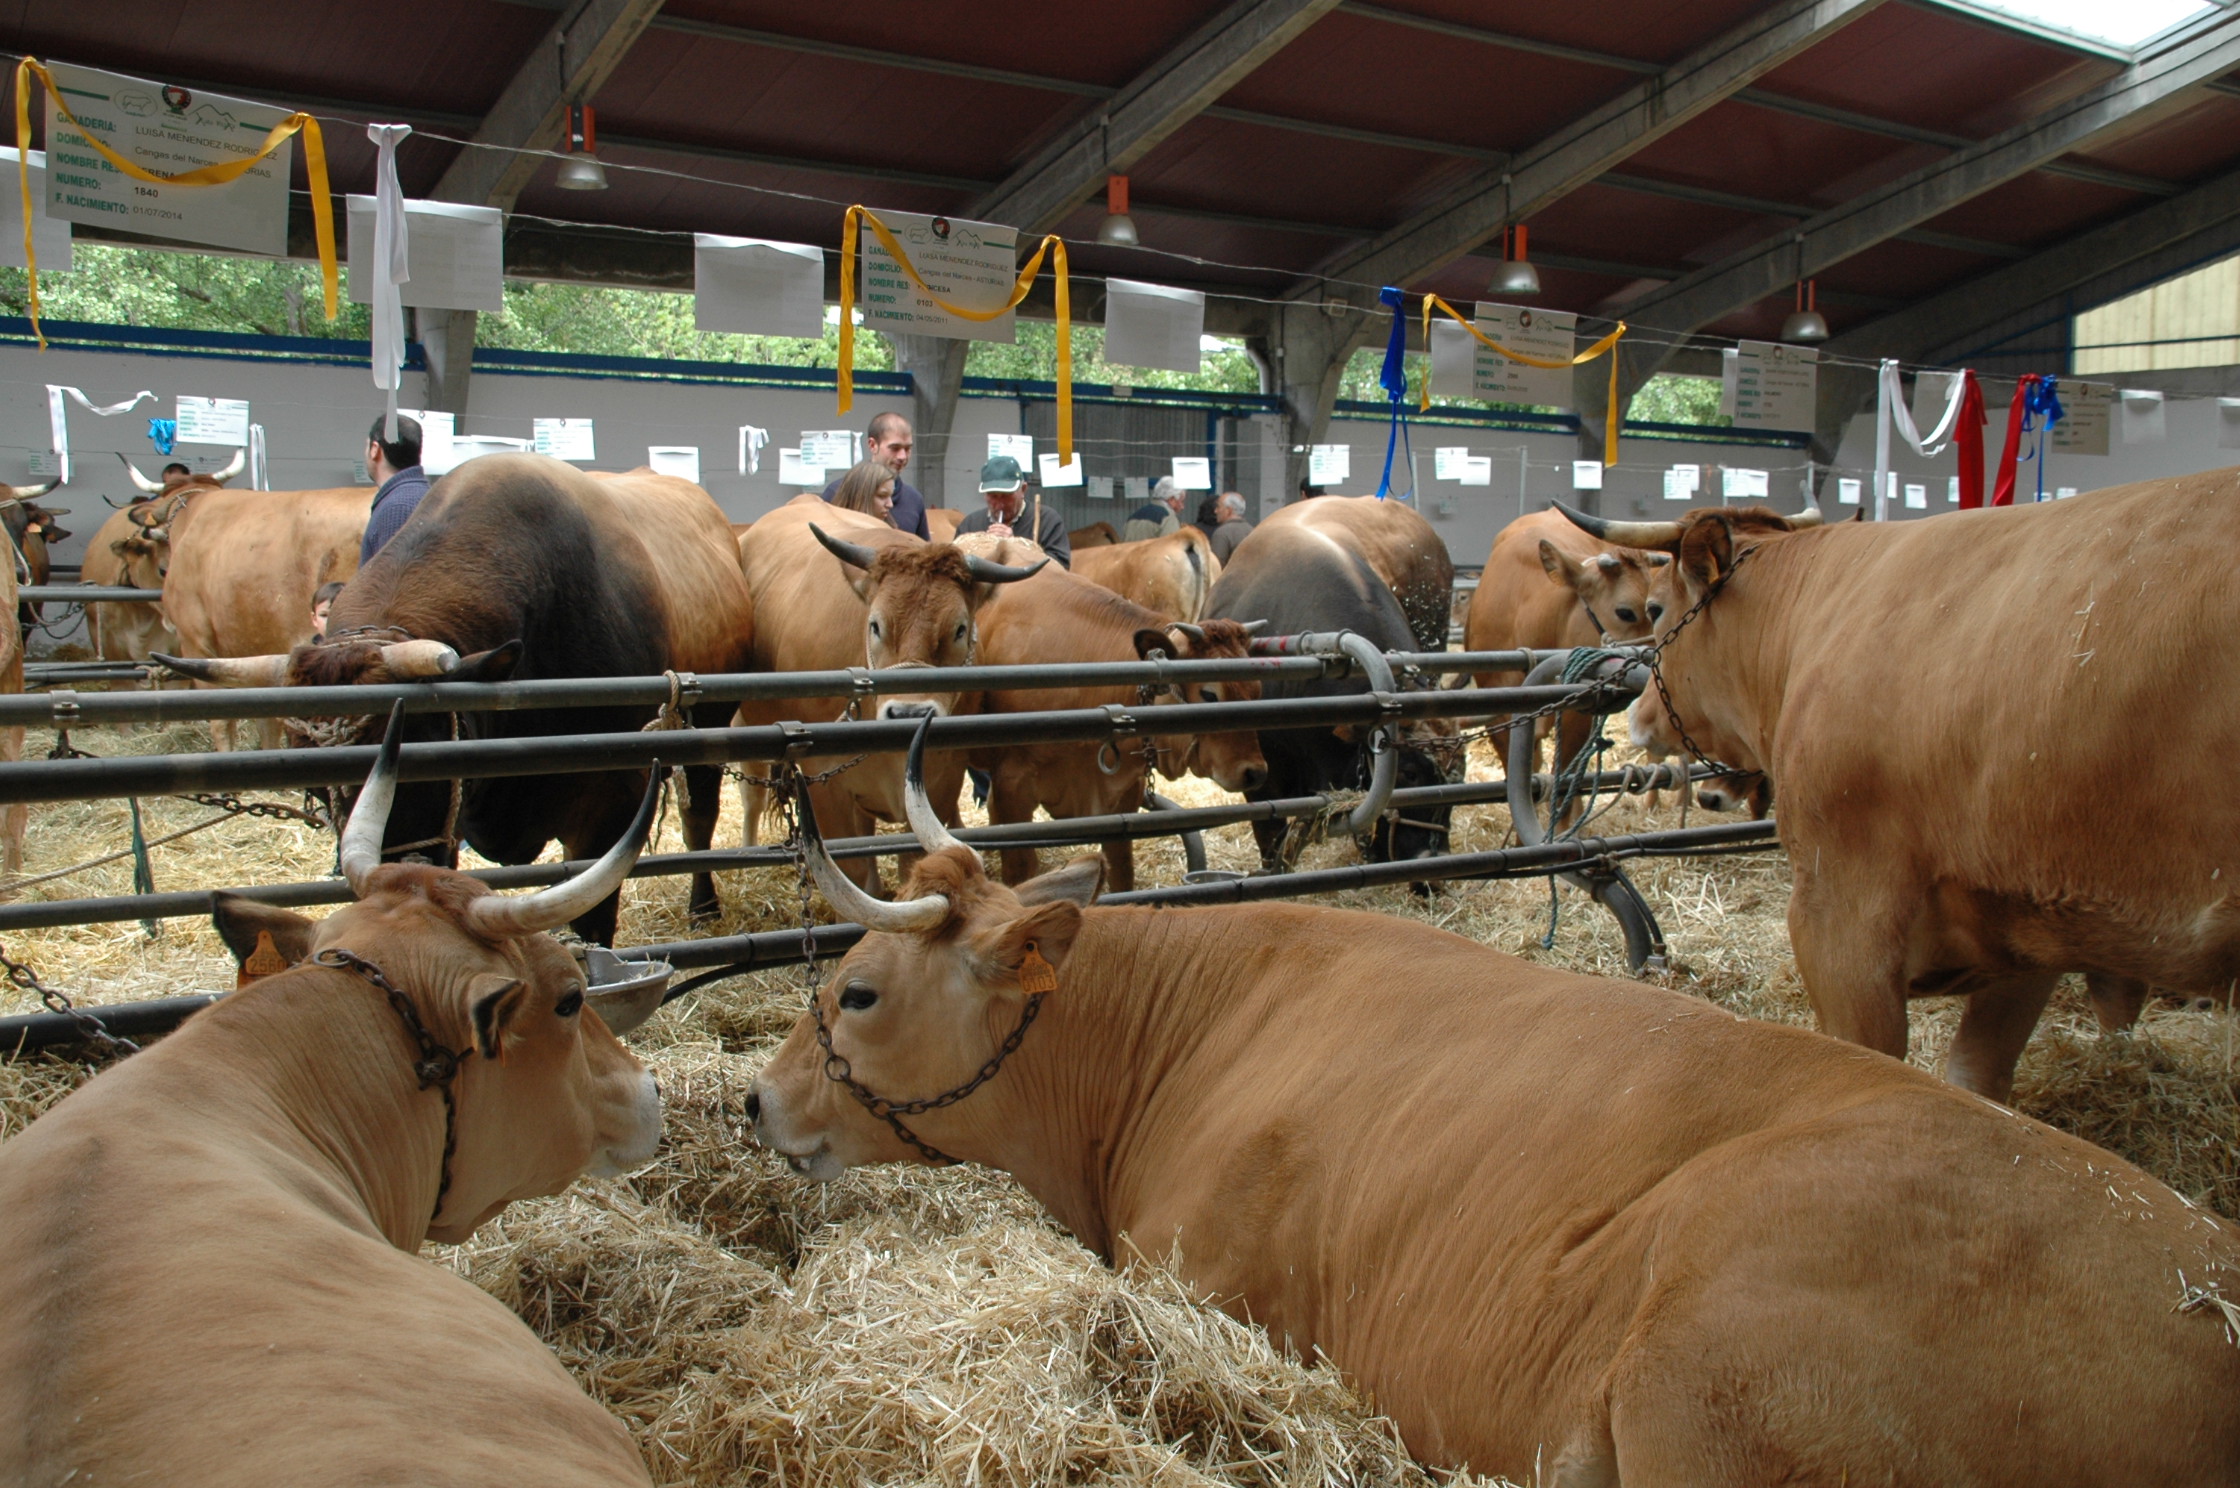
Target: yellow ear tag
(1036, 974)
(264, 961)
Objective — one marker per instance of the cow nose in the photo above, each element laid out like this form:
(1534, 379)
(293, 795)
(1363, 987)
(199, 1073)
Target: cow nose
(1255, 776)
(754, 1106)
(906, 710)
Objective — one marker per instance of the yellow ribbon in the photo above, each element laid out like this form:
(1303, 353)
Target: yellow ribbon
(1610, 422)
(1053, 246)
(314, 164)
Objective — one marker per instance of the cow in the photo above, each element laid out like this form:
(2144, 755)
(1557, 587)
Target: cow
(1095, 535)
(941, 523)
(32, 529)
(15, 818)
(1059, 616)
(833, 588)
(1299, 579)
(1399, 546)
(208, 1251)
(1651, 730)
(1171, 575)
(1952, 713)
(520, 566)
(122, 556)
(1560, 1228)
(1546, 586)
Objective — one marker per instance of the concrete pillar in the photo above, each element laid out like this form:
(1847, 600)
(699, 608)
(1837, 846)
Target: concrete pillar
(1841, 394)
(936, 368)
(1306, 352)
(448, 338)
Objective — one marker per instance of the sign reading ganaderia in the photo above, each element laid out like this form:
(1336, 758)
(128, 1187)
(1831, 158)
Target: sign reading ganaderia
(972, 265)
(167, 129)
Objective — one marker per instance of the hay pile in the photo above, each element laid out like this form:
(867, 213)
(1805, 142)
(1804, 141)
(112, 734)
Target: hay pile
(908, 1326)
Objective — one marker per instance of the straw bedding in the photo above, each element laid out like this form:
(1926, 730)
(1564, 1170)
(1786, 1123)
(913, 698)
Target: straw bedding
(909, 1326)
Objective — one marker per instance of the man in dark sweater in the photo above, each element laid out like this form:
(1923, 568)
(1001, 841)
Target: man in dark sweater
(1005, 488)
(395, 466)
(889, 439)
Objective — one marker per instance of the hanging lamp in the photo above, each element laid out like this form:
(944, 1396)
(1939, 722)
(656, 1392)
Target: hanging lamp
(1805, 324)
(1118, 229)
(581, 171)
(1516, 279)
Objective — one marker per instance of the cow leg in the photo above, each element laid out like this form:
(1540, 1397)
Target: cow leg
(839, 815)
(703, 789)
(599, 829)
(754, 800)
(1012, 799)
(1851, 957)
(2116, 1000)
(2001, 1014)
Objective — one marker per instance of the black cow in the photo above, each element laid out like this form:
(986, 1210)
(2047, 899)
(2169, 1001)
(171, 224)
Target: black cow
(1298, 580)
(521, 567)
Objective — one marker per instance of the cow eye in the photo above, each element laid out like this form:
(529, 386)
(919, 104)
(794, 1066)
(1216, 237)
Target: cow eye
(856, 997)
(570, 1003)
(960, 633)
(1208, 695)
(1627, 615)
(1656, 613)
(876, 633)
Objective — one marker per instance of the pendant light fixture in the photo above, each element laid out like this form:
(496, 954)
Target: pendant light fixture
(1516, 279)
(1118, 230)
(1805, 324)
(581, 170)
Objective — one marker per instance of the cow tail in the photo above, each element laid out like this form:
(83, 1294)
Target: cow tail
(1200, 592)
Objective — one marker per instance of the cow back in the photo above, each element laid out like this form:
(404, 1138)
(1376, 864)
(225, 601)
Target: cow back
(244, 565)
(1400, 547)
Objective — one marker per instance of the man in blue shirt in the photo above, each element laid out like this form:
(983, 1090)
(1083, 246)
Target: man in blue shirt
(889, 440)
(395, 466)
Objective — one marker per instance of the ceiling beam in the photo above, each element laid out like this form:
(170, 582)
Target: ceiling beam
(1171, 92)
(1820, 242)
(566, 66)
(1765, 207)
(1579, 152)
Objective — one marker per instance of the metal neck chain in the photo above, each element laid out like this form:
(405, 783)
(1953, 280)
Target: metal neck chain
(56, 1002)
(436, 1065)
(1664, 693)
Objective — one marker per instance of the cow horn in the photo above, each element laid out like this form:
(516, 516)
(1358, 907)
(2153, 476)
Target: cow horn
(1254, 627)
(1811, 516)
(933, 834)
(234, 467)
(985, 572)
(848, 897)
(153, 488)
(410, 660)
(856, 555)
(26, 493)
(497, 916)
(1624, 534)
(229, 671)
(369, 818)
(1193, 632)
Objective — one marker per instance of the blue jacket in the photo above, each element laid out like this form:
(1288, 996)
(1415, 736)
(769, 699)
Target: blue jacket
(397, 499)
(909, 511)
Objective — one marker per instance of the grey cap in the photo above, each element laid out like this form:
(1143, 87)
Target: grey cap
(1001, 474)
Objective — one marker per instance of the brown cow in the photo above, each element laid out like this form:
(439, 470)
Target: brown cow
(15, 817)
(1952, 711)
(1561, 1229)
(208, 1251)
(941, 523)
(122, 556)
(32, 529)
(1399, 546)
(1058, 616)
(1095, 535)
(1171, 574)
(834, 589)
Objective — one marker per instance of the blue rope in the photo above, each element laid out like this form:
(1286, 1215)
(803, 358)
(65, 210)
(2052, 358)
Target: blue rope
(2041, 410)
(1394, 380)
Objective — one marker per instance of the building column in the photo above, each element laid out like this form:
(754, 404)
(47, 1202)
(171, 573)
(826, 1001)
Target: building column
(936, 368)
(1840, 394)
(447, 336)
(1307, 352)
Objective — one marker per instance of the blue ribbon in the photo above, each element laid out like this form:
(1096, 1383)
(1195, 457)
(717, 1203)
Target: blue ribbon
(1394, 381)
(162, 433)
(2041, 410)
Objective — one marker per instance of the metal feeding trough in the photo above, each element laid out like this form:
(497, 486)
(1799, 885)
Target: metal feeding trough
(623, 993)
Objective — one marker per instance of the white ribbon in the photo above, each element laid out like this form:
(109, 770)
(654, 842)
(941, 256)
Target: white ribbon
(391, 267)
(751, 441)
(1931, 444)
(58, 420)
(260, 475)
(1883, 398)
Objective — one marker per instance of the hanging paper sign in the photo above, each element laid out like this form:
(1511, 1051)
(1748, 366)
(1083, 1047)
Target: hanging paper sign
(795, 471)
(563, 438)
(50, 235)
(2085, 422)
(1151, 325)
(1917, 497)
(1774, 386)
(1099, 487)
(1546, 334)
(438, 431)
(1454, 359)
(1733, 483)
(1193, 472)
(1847, 491)
(828, 449)
(2063, 493)
(679, 460)
(213, 421)
(1477, 471)
(2143, 421)
(1682, 482)
(1019, 447)
(1136, 488)
(1449, 461)
(1068, 474)
(2228, 423)
(1586, 475)
(752, 287)
(972, 265)
(457, 255)
(1329, 464)
(170, 130)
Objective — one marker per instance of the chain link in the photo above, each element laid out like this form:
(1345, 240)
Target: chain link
(57, 1002)
(1688, 744)
(436, 1065)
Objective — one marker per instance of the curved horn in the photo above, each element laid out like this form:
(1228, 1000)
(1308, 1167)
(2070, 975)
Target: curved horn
(856, 555)
(234, 467)
(985, 572)
(229, 671)
(153, 488)
(26, 493)
(1811, 516)
(848, 897)
(500, 917)
(409, 660)
(1254, 627)
(1625, 534)
(1193, 632)
(369, 819)
(933, 834)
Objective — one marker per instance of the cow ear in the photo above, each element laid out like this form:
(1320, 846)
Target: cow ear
(1148, 641)
(264, 938)
(494, 1002)
(494, 665)
(1079, 882)
(1707, 548)
(1560, 566)
(1031, 949)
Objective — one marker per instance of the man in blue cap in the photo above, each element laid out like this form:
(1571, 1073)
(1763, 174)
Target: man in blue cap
(1005, 487)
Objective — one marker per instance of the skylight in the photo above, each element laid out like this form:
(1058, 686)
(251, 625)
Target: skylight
(2123, 25)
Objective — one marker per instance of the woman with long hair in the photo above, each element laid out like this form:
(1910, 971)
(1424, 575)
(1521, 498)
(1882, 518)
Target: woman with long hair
(868, 487)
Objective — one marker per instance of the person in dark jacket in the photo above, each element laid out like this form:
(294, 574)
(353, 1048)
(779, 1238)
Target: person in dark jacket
(1232, 528)
(395, 466)
(1005, 487)
(1157, 517)
(889, 440)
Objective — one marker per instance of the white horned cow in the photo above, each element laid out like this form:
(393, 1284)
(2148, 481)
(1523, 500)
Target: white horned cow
(1563, 1229)
(207, 1275)
(1981, 727)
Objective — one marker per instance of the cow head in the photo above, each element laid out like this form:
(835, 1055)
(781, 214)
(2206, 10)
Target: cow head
(545, 1093)
(1612, 585)
(1650, 727)
(919, 1005)
(919, 604)
(32, 527)
(1232, 761)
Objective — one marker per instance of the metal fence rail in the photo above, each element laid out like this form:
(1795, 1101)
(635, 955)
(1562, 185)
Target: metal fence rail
(86, 594)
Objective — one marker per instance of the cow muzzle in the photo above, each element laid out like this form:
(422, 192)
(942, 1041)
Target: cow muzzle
(641, 1135)
(815, 1162)
(912, 708)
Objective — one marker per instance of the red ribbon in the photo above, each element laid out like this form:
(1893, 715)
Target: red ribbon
(2002, 489)
(1968, 438)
